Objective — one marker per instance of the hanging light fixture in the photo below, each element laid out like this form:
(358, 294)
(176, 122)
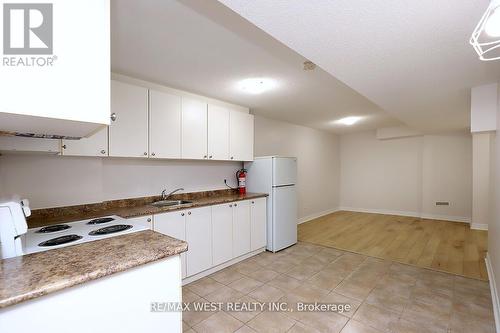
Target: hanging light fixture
(486, 37)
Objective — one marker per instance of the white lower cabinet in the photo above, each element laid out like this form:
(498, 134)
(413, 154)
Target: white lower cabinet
(258, 222)
(241, 228)
(215, 234)
(146, 220)
(174, 225)
(198, 236)
(222, 233)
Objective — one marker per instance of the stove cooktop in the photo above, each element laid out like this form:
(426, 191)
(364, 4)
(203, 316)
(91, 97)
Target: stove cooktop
(53, 228)
(60, 240)
(110, 230)
(67, 234)
(101, 220)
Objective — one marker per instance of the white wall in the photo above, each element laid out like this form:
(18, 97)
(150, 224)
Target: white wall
(494, 226)
(50, 181)
(447, 176)
(481, 179)
(484, 101)
(318, 162)
(380, 175)
(407, 176)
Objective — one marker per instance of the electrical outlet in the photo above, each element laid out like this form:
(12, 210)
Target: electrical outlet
(442, 203)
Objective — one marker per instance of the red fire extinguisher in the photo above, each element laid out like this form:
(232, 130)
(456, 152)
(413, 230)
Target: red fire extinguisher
(241, 176)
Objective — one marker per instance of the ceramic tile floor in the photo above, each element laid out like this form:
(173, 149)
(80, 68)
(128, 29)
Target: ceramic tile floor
(384, 296)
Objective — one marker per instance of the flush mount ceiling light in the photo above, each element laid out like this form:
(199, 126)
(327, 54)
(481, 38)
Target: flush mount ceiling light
(256, 85)
(486, 37)
(348, 120)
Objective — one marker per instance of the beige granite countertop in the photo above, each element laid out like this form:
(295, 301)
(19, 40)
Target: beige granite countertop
(34, 275)
(129, 208)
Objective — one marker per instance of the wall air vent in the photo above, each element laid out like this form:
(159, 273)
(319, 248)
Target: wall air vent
(442, 203)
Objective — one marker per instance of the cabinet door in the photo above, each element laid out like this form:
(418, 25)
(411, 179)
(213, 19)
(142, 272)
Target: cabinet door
(194, 129)
(258, 223)
(222, 233)
(198, 236)
(146, 221)
(94, 145)
(241, 228)
(128, 133)
(218, 133)
(173, 225)
(164, 125)
(241, 130)
(14, 143)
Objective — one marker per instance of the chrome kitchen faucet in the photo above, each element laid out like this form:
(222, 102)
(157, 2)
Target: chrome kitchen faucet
(165, 196)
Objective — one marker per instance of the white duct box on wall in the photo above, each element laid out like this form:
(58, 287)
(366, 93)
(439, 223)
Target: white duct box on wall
(55, 66)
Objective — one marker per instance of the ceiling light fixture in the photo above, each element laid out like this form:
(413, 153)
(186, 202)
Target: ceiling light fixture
(256, 85)
(485, 38)
(348, 120)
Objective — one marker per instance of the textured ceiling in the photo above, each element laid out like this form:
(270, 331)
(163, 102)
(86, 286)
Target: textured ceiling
(204, 47)
(411, 58)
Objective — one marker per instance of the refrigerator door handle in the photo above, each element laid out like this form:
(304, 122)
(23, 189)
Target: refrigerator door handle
(278, 186)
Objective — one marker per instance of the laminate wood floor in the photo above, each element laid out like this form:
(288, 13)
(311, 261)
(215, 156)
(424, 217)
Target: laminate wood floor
(440, 245)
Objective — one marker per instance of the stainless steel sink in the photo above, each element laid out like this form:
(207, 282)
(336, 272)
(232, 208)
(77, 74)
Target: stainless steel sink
(169, 203)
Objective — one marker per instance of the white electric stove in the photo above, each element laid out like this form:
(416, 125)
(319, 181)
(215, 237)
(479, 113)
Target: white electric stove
(67, 234)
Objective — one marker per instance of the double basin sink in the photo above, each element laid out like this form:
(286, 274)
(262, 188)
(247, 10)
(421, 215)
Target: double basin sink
(170, 203)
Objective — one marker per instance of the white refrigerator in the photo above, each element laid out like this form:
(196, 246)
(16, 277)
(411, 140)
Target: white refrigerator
(276, 176)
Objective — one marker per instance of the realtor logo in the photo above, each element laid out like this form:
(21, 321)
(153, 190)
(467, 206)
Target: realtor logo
(27, 28)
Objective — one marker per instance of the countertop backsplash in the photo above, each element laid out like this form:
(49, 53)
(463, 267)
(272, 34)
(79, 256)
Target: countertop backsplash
(56, 181)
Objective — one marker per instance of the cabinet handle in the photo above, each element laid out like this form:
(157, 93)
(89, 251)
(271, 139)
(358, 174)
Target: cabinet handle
(145, 154)
(235, 205)
(153, 154)
(230, 205)
(103, 152)
(232, 157)
(253, 202)
(149, 220)
(210, 156)
(113, 116)
(182, 214)
(189, 213)
(63, 146)
(205, 156)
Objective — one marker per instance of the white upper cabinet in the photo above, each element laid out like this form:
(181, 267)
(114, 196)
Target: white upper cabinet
(241, 228)
(218, 132)
(241, 130)
(164, 125)
(194, 129)
(128, 132)
(94, 145)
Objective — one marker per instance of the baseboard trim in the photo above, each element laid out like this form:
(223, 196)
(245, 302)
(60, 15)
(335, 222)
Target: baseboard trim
(380, 211)
(494, 292)
(479, 226)
(317, 215)
(214, 269)
(447, 218)
(409, 214)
